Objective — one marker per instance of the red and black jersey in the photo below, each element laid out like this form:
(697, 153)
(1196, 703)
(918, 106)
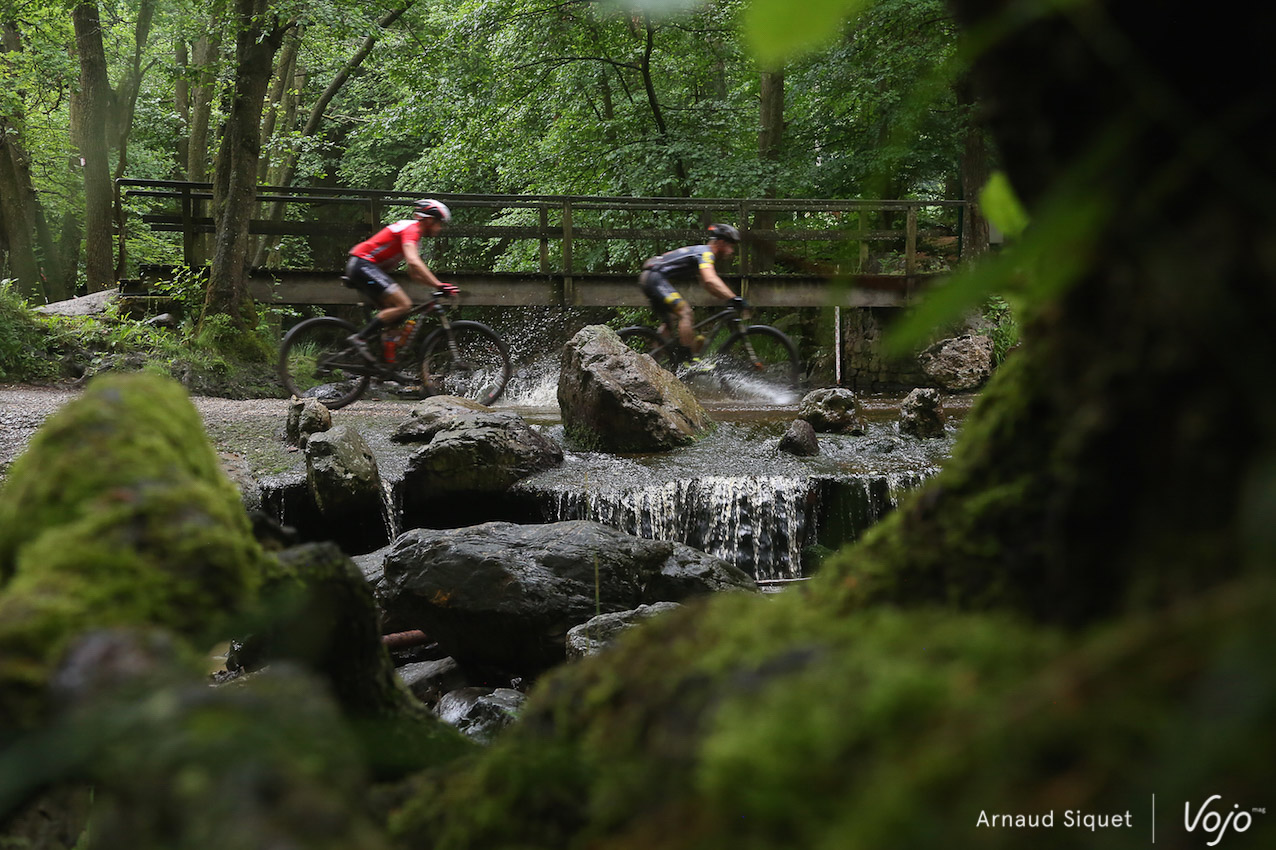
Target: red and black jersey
(385, 247)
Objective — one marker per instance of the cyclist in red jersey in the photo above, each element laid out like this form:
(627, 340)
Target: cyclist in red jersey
(370, 262)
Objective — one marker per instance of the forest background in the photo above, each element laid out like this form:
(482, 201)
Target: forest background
(501, 96)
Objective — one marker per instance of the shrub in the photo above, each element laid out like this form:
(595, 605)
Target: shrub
(24, 340)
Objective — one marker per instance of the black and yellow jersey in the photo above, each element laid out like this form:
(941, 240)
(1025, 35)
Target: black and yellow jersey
(684, 263)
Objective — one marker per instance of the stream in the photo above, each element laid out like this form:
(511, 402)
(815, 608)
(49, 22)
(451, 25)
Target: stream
(732, 494)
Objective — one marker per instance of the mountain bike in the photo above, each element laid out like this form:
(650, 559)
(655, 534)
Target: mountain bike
(460, 358)
(738, 359)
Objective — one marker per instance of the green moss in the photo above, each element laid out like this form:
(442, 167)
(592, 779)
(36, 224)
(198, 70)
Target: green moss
(118, 513)
(746, 726)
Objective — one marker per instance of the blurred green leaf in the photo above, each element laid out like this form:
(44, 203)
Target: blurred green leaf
(1029, 272)
(1001, 205)
(778, 30)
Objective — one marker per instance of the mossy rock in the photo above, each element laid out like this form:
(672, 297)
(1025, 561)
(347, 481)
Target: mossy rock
(117, 514)
(761, 724)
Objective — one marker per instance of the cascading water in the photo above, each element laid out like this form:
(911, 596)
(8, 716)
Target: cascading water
(767, 514)
(758, 524)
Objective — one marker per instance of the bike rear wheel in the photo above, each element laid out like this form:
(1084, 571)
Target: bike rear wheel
(468, 361)
(315, 361)
(645, 340)
(760, 361)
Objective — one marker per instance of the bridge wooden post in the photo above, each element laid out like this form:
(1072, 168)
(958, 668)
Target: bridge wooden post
(544, 220)
(862, 227)
(910, 250)
(188, 227)
(745, 253)
(569, 289)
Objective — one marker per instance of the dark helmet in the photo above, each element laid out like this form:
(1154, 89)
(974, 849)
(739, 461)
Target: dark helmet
(430, 208)
(724, 231)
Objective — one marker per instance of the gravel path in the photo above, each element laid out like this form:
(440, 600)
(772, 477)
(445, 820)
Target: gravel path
(252, 429)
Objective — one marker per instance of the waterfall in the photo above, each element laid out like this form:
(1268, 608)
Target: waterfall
(758, 524)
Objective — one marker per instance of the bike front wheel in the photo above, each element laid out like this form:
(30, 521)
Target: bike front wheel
(316, 361)
(762, 362)
(466, 359)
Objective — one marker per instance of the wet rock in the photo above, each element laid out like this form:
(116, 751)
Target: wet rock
(958, 364)
(800, 439)
(469, 453)
(342, 474)
(503, 596)
(595, 634)
(306, 416)
(614, 399)
(428, 681)
(480, 713)
(832, 410)
(922, 413)
(433, 415)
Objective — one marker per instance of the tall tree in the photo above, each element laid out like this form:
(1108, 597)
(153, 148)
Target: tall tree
(94, 101)
(33, 256)
(260, 31)
(126, 108)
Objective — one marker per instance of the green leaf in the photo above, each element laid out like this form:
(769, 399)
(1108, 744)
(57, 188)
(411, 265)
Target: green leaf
(1001, 205)
(778, 30)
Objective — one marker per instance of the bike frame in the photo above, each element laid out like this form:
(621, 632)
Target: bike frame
(728, 319)
(385, 370)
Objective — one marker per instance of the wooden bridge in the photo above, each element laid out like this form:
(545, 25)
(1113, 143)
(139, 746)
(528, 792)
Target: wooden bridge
(519, 250)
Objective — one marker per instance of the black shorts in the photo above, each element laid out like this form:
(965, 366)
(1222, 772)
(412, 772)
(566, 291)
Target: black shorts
(660, 292)
(369, 278)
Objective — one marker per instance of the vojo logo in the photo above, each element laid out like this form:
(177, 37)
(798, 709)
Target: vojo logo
(1214, 823)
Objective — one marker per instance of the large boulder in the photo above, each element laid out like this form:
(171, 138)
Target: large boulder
(469, 450)
(615, 399)
(503, 596)
(433, 415)
(118, 513)
(832, 410)
(958, 364)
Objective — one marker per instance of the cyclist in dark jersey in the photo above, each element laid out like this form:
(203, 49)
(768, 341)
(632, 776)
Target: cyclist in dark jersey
(683, 265)
(370, 261)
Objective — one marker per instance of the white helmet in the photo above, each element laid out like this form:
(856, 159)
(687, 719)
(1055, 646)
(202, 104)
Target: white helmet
(430, 208)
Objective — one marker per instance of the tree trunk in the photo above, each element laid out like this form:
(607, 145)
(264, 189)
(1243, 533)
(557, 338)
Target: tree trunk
(974, 175)
(315, 118)
(235, 178)
(1115, 463)
(204, 58)
(33, 256)
(126, 106)
(17, 234)
(770, 144)
(182, 101)
(657, 113)
(95, 100)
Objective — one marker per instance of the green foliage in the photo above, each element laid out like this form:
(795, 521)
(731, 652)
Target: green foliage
(24, 340)
(1028, 272)
(1004, 331)
(1001, 205)
(775, 34)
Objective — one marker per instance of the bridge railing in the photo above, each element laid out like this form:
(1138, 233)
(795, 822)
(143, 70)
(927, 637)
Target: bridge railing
(887, 244)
